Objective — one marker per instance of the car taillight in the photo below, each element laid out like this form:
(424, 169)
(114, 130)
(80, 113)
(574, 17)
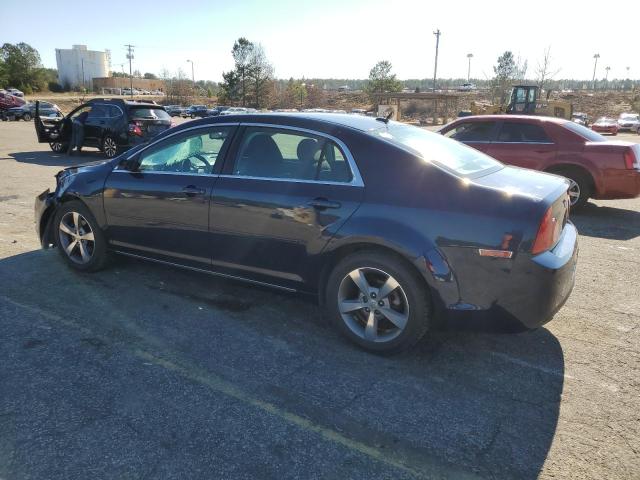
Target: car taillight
(630, 160)
(134, 129)
(548, 232)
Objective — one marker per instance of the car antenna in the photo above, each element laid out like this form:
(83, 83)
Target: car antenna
(385, 119)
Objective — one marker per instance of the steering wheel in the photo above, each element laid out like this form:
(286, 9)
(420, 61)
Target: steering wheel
(187, 164)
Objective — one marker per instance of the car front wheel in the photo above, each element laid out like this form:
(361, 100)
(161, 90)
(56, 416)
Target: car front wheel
(79, 240)
(26, 117)
(378, 301)
(58, 147)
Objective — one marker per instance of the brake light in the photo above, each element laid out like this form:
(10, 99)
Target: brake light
(630, 160)
(548, 233)
(134, 129)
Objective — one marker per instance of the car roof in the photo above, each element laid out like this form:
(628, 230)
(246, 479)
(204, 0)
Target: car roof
(357, 122)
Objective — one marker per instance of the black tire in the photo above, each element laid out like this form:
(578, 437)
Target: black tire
(110, 147)
(26, 117)
(59, 147)
(193, 116)
(413, 288)
(584, 183)
(98, 253)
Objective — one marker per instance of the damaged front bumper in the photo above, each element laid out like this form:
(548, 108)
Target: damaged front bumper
(43, 210)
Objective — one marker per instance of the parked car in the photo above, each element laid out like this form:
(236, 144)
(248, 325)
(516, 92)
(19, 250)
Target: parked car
(158, 93)
(112, 125)
(197, 111)
(27, 111)
(605, 125)
(392, 227)
(175, 110)
(235, 111)
(629, 122)
(580, 118)
(467, 87)
(127, 91)
(15, 92)
(595, 166)
(7, 100)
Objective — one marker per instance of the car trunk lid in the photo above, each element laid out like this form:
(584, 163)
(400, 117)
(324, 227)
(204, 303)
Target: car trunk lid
(148, 121)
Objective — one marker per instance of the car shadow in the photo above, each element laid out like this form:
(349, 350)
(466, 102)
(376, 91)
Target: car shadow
(473, 402)
(607, 222)
(52, 159)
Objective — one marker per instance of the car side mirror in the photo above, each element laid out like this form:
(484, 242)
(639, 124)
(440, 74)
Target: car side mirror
(130, 164)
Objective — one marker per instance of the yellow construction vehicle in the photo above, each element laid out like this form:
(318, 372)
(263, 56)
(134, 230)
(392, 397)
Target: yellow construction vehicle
(524, 100)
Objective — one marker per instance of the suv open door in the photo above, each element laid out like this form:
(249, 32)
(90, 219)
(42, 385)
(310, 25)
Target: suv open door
(55, 131)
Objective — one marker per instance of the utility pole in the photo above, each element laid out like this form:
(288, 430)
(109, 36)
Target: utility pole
(193, 77)
(130, 57)
(469, 56)
(437, 33)
(595, 64)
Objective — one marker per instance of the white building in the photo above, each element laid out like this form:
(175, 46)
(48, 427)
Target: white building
(78, 66)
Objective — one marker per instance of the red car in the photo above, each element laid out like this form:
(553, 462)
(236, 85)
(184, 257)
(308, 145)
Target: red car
(605, 125)
(596, 167)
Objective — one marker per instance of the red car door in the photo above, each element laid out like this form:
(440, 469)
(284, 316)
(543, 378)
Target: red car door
(523, 144)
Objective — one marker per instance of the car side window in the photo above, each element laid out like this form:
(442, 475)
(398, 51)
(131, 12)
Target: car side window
(515, 132)
(278, 153)
(195, 153)
(472, 132)
(113, 111)
(98, 111)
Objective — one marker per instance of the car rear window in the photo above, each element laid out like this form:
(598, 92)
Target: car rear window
(433, 147)
(584, 132)
(519, 132)
(146, 113)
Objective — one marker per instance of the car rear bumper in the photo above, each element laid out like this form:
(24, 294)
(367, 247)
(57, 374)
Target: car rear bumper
(520, 293)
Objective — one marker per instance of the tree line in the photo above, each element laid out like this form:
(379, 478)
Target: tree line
(21, 67)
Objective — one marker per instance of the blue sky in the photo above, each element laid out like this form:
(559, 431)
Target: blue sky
(337, 38)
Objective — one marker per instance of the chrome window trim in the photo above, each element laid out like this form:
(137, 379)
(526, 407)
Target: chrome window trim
(356, 180)
(150, 172)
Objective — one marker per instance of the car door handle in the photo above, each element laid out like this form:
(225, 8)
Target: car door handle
(323, 204)
(192, 191)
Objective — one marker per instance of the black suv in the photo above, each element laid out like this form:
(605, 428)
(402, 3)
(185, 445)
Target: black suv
(111, 125)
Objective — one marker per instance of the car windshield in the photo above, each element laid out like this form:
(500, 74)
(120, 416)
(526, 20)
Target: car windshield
(149, 113)
(435, 148)
(628, 116)
(584, 132)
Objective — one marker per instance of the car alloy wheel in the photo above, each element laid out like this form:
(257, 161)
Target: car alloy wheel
(26, 117)
(57, 147)
(76, 238)
(109, 147)
(574, 192)
(373, 305)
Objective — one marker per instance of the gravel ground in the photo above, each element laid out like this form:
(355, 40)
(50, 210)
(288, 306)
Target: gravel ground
(144, 371)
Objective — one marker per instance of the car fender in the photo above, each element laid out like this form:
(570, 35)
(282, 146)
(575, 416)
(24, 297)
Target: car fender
(406, 241)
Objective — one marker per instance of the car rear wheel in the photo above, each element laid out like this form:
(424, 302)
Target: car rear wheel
(80, 241)
(378, 302)
(58, 147)
(579, 187)
(109, 147)
(26, 117)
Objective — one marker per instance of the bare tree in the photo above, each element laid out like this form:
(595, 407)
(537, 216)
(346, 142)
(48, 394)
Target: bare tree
(545, 70)
(260, 74)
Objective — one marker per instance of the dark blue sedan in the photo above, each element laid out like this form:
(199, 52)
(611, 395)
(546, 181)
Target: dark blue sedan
(390, 226)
